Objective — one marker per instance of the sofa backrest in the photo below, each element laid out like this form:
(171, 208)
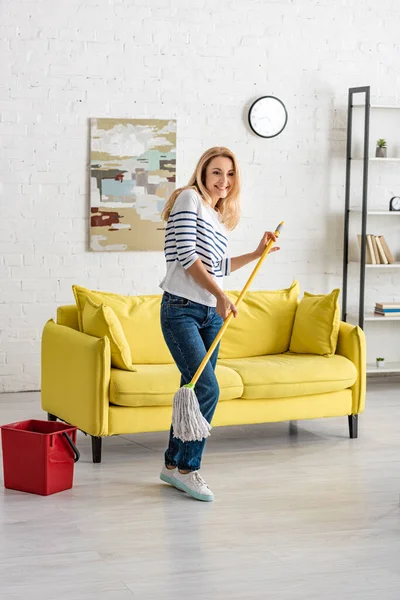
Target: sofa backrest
(263, 326)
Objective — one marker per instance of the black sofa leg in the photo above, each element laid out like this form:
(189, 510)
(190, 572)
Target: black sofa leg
(353, 426)
(51, 417)
(96, 449)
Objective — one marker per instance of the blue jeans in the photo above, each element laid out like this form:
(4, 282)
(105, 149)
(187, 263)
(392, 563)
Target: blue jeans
(189, 329)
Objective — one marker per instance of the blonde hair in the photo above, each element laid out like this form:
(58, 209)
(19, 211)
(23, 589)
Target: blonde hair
(228, 207)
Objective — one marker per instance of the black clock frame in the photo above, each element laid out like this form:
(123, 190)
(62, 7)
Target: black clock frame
(249, 117)
(391, 204)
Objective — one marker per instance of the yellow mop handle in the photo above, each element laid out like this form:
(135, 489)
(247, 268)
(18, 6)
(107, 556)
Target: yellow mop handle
(230, 316)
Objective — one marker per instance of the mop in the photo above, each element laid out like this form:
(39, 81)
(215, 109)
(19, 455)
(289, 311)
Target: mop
(188, 423)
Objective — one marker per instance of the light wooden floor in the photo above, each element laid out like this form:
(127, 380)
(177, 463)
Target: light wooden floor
(307, 517)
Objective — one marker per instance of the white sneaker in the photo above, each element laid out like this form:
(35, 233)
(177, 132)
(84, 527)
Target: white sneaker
(167, 475)
(194, 485)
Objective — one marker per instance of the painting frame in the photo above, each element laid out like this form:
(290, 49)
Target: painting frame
(132, 174)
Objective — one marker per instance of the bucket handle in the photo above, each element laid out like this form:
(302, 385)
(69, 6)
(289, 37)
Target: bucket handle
(74, 448)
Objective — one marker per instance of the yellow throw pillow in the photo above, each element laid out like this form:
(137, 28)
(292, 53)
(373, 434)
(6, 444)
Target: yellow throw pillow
(140, 320)
(264, 323)
(316, 324)
(100, 321)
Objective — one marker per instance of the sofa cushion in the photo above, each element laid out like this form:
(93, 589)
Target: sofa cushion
(156, 385)
(100, 320)
(290, 375)
(316, 324)
(68, 316)
(264, 323)
(140, 320)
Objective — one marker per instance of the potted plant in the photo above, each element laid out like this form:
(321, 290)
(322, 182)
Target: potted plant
(380, 362)
(381, 148)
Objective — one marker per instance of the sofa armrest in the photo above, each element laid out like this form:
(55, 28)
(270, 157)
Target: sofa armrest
(76, 377)
(351, 344)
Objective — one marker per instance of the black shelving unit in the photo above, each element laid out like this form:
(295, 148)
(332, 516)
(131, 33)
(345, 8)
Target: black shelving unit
(364, 92)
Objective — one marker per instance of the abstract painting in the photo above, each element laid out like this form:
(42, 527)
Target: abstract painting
(132, 174)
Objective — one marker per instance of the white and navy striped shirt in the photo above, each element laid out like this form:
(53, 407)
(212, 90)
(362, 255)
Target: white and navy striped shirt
(194, 230)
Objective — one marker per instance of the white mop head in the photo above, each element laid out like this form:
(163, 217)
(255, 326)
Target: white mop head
(188, 423)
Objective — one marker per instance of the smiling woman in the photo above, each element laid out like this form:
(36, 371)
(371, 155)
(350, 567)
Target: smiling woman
(194, 305)
(220, 175)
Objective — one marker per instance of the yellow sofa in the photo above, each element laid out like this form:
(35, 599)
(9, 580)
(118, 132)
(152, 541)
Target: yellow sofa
(260, 380)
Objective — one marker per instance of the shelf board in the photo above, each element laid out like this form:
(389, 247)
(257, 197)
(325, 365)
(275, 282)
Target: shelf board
(376, 212)
(370, 316)
(395, 265)
(390, 159)
(383, 106)
(393, 367)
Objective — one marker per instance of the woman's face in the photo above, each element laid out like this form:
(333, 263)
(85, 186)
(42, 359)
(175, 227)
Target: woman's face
(220, 177)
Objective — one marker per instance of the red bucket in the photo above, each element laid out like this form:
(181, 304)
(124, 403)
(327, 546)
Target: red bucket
(39, 456)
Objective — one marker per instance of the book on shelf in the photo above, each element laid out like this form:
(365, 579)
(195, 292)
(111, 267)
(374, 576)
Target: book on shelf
(389, 309)
(387, 305)
(382, 255)
(368, 256)
(377, 250)
(386, 249)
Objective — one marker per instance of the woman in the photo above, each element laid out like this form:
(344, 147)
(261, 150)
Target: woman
(194, 305)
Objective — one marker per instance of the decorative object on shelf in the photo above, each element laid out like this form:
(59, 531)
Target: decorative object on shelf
(268, 116)
(394, 203)
(132, 174)
(380, 362)
(381, 148)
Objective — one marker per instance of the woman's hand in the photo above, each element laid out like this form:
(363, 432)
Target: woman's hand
(268, 235)
(225, 306)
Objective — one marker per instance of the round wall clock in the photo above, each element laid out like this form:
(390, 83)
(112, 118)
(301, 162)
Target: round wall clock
(268, 116)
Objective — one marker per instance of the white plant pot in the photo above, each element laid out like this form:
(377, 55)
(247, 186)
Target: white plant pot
(380, 364)
(381, 152)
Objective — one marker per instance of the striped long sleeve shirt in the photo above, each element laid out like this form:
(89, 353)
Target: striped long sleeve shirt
(194, 230)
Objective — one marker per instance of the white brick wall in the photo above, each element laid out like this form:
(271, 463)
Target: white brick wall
(198, 61)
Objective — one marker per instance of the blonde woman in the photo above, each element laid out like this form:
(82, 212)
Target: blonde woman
(194, 305)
